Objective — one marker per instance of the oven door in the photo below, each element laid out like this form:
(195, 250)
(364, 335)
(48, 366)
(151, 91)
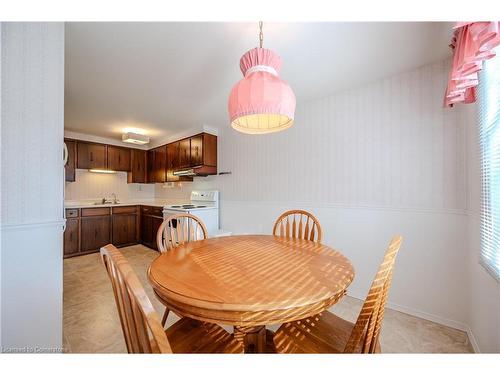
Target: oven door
(167, 212)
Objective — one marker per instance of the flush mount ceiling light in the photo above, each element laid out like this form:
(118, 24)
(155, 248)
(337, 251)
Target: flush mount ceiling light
(135, 138)
(261, 102)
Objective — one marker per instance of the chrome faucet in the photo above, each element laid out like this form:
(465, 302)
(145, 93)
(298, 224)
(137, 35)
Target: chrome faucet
(114, 201)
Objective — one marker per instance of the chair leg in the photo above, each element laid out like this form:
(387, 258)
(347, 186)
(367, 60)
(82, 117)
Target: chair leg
(165, 316)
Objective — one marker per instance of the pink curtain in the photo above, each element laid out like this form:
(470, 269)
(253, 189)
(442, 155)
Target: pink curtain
(472, 43)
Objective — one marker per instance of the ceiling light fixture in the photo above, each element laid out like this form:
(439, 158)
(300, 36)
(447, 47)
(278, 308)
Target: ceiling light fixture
(135, 138)
(261, 102)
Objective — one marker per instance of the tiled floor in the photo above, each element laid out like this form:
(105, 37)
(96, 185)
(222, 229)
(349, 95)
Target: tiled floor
(91, 323)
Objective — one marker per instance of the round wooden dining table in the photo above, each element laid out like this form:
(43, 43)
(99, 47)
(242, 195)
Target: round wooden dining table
(250, 281)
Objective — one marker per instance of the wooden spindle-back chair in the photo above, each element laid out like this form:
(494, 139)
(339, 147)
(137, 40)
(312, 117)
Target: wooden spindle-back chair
(175, 231)
(327, 333)
(298, 224)
(179, 229)
(141, 325)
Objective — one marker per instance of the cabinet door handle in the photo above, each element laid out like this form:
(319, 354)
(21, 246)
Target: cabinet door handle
(119, 158)
(95, 233)
(91, 156)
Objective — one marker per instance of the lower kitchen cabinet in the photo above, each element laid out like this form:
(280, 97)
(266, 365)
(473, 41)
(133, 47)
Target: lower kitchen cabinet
(156, 225)
(147, 231)
(71, 237)
(124, 224)
(124, 229)
(88, 229)
(151, 219)
(95, 232)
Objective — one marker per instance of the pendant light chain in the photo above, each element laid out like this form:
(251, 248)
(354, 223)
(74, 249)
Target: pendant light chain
(261, 35)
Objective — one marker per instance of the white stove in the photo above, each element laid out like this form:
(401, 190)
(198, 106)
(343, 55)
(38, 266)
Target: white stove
(203, 204)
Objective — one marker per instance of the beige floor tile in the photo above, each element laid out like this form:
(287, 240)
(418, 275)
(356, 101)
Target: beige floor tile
(91, 323)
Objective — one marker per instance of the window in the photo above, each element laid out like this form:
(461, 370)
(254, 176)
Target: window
(489, 138)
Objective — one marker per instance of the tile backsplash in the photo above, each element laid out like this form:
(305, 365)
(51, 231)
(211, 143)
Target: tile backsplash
(89, 185)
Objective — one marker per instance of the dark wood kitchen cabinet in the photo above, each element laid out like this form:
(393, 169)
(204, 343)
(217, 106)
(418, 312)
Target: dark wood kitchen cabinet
(173, 163)
(153, 166)
(209, 151)
(151, 219)
(138, 169)
(118, 158)
(150, 163)
(95, 228)
(160, 164)
(147, 231)
(95, 232)
(156, 225)
(196, 150)
(124, 226)
(185, 153)
(90, 155)
(70, 166)
(72, 237)
(157, 165)
(90, 228)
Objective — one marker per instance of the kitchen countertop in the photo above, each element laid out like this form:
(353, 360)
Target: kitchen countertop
(135, 202)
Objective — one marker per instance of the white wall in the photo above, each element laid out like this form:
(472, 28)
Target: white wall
(89, 185)
(32, 77)
(374, 161)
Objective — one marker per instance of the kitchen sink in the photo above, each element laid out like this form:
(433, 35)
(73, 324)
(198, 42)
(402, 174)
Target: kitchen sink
(106, 204)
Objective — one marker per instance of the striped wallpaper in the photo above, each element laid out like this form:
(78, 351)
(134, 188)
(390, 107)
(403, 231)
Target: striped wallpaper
(386, 144)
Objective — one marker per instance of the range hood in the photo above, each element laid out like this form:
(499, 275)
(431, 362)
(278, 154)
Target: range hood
(202, 170)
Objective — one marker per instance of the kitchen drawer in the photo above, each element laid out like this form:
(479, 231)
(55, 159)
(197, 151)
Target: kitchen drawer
(72, 212)
(150, 210)
(99, 211)
(125, 210)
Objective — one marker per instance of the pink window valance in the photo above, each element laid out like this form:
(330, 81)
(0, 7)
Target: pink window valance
(472, 43)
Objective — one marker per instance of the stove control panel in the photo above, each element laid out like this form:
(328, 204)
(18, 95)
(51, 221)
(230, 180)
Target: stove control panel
(207, 196)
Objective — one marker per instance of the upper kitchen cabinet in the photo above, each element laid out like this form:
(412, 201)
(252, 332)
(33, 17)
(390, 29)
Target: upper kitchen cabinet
(91, 155)
(157, 164)
(71, 162)
(197, 156)
(196, 150)
(209, 149)
(184, 153)
(138, 170)
(150, 167)
(118, 158)
(160, 164)
(173, 163)
(199, 153)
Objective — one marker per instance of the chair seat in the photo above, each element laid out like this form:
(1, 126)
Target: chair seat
(192, 336)
(322, 333)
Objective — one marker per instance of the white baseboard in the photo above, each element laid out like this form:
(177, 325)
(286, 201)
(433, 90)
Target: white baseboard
(431, 317)
(473, 340)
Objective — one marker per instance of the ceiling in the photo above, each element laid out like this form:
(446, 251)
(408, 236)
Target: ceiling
(167, 77)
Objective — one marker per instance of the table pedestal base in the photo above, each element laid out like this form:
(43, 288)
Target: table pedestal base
(252, 338)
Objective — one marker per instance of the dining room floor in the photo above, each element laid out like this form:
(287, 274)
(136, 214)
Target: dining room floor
(91, 323)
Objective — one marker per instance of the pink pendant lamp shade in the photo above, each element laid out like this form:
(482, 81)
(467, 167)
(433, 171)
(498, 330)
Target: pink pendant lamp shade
(261, 102)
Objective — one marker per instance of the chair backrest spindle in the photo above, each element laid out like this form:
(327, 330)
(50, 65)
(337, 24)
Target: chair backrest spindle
(298, 224)
(179, 229)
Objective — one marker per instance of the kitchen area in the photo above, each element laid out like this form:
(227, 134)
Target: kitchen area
(122, 218)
